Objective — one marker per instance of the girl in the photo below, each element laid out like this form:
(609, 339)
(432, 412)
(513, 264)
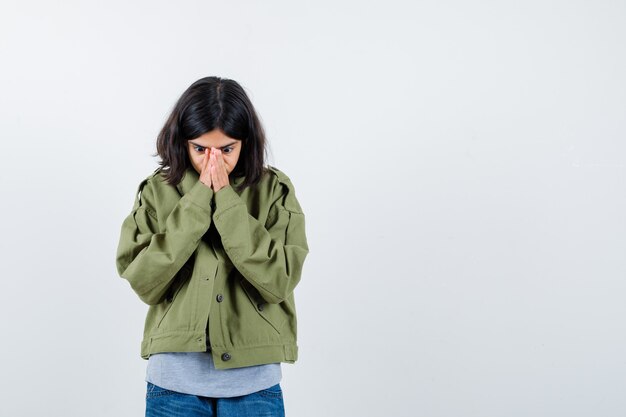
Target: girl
(214, 245)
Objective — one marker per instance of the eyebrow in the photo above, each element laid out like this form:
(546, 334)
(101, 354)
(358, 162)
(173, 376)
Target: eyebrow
(221, 147)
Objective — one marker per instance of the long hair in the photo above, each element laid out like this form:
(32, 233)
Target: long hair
(212, 103)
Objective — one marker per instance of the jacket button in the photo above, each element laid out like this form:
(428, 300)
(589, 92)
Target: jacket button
(219, 298)
(260, 306)
(225, 356)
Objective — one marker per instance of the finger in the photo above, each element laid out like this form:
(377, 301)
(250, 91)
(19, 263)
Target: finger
(205, 160)
(203, 167)
(221, 158)
(218, 159)
(213, 170)
(222, 168)
(212, 160)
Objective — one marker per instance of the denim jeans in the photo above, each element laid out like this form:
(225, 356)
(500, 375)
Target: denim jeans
(161, 402)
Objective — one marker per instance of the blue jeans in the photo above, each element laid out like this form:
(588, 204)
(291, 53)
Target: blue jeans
(161, 402)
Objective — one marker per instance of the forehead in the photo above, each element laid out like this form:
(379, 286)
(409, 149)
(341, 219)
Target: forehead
(214, 138)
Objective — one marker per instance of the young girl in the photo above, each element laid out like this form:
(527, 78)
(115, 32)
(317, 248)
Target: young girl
(214, 245)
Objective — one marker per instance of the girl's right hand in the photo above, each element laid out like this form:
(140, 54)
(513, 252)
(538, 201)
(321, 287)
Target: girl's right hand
(205, 174)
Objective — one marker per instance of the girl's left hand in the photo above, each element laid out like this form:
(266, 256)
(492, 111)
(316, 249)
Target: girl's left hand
(219, 174)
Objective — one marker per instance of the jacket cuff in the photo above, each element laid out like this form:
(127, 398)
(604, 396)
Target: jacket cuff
(225, 198)
(201, 195)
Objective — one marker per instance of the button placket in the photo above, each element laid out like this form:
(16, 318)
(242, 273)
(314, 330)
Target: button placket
(217, 267)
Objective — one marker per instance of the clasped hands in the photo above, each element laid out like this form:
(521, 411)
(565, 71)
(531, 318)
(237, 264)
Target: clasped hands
(214, 173)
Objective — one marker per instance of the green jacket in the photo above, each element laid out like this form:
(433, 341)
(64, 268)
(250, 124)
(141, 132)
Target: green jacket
(217, 270)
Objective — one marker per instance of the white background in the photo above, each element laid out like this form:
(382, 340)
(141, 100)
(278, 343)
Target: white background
(461, 166)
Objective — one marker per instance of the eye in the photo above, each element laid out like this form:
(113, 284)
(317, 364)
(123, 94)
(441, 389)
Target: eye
(229, 149)
(199, 149)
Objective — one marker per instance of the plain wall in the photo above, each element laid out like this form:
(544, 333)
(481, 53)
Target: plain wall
(461, 166)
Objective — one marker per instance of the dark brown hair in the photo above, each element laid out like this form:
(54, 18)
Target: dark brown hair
(212, 103)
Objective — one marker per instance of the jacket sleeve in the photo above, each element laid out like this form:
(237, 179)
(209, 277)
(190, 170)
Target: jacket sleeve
(149, 258)
(269, 256)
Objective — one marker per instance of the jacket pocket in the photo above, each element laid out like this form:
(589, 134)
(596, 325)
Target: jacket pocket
(179, 282)
(271, 313)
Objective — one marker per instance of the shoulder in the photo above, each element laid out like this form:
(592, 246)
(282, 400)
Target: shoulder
(278, 175)
(145, 189)
(284, 190)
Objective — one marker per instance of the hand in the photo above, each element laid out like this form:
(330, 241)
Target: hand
(217, 169)
(205, 173)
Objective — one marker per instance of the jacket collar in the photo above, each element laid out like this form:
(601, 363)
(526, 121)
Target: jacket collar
(191, 177)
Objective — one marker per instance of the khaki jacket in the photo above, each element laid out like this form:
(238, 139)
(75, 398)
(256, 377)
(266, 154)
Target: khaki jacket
(217, 270)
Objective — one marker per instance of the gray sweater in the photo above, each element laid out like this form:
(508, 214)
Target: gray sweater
(194, 373)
